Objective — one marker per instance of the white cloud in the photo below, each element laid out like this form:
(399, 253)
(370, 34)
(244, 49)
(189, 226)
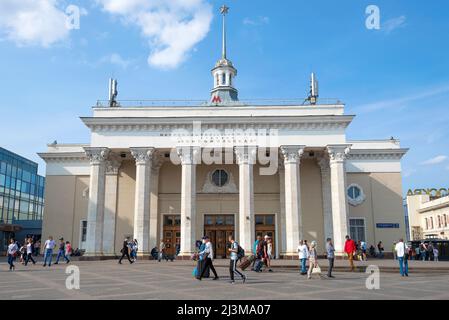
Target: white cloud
(33, 22)
(393, 24)
(172, 28)
(256, 22)
(116, 59)
(435, 160)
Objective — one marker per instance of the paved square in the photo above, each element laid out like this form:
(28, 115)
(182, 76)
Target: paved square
(174, 281)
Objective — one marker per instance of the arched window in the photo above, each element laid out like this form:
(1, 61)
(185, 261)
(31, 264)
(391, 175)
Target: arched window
(223, 79)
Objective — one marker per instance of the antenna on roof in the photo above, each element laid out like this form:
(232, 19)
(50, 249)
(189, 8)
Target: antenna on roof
(113, 92)
(313, 95)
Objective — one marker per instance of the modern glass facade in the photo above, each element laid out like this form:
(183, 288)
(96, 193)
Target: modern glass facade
(21, 189)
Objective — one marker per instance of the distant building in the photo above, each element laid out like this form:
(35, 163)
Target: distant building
(21, 198)
(428, 216)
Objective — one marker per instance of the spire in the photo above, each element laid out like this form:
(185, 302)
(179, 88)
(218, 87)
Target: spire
(223, 73)
(224, 11)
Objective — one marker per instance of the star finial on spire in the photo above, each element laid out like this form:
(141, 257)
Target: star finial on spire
(224, 9)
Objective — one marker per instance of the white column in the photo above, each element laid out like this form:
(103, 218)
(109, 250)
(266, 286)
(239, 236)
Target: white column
(95, 211)
(154, 207)
(188, 156)
(337, 155)
(293, 213)
(110, 207)
(323, 162)
(143, 158)
(245, 157)
(283, 231)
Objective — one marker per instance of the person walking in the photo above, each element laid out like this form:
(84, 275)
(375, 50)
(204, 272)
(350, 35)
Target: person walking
(49, 245)
(330, 252)
(435, 254)
(61, 252)
(350, 250)
(208, 254)
(303, 253)
(380, 248)
(125, 251)
(313, 259)
(134, 248)
(255, 246)
(29, 250)
(68, 250)
(402, 254)
(269, 253)
(161, 251)
(11, 253)
(37, 248)
(265, 257)
(233, 258)
(363, 248)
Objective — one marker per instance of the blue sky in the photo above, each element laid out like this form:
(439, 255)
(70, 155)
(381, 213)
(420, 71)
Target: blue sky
(395, 79)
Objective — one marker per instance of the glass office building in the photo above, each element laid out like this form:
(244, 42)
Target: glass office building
(21, 198)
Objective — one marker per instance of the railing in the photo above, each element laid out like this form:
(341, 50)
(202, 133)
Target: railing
(196, 103)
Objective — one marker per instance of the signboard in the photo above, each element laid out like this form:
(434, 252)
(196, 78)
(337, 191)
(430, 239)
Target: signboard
(387, 225)
(438, 193)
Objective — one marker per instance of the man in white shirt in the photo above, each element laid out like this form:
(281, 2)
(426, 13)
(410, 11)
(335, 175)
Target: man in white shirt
(48, 250)
(208, 256)
(303, 253)
(402, 254)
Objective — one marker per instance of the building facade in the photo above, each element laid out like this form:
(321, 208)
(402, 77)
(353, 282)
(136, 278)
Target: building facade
(21, 198)
(428, 216)
(220, 167)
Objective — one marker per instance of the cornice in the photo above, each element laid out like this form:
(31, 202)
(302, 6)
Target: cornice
(311, 123)
(63, 156)
(377, 154)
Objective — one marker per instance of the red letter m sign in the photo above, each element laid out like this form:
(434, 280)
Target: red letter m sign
(216, 99)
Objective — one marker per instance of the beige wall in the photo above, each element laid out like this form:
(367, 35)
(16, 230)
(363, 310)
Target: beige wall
(125, 203)
(66, 206)
(383, 204)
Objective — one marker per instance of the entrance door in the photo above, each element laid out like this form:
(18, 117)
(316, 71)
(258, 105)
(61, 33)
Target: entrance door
(218, 228)
(172, 233)
(265, 226)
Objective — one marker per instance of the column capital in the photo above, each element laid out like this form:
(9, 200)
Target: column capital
(157, 161)
(113, 164)
(245, 154)
(292, 154)
(143, 155)
(323, 163)
(188, 154)
(338, 152)
(96, 155)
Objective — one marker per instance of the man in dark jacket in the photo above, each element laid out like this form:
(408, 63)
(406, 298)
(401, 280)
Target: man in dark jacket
(125, 251)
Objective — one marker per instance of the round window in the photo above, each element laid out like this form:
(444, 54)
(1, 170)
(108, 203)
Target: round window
(356, 195)
(219, 178)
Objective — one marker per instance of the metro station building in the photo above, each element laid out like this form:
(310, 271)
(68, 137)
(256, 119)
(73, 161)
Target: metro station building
(175, 173)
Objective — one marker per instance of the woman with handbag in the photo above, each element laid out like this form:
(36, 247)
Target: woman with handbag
(314, 268)
(12, 254)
